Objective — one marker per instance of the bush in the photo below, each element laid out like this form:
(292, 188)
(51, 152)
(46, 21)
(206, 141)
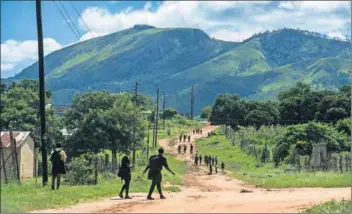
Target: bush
(80, 171)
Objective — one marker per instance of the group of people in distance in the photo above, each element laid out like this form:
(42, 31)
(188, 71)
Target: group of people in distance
(209, 161)
(197, 131)
(154, 168)
(185, 137)
(179, 148)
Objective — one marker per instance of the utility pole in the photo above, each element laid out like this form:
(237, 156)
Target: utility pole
(148, 143)
(153, 145)
(42, 92)
(192, 102)
(134, 123)
(156, 118)
(163, 111)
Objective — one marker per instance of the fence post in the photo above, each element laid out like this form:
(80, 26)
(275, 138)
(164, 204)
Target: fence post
(96, 170)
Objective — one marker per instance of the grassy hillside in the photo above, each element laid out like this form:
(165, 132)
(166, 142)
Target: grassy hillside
(174, 59)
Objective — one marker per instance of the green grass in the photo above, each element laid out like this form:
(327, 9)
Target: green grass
(27, 197)
(331, 207)
(244, 167)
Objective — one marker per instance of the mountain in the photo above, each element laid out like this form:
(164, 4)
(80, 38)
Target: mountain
(174, 59)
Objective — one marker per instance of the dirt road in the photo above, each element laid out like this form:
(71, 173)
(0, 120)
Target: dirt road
(213, 193)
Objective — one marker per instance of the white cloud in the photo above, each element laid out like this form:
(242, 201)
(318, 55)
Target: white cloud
(208, 16)
(15, 53)
(6, 67)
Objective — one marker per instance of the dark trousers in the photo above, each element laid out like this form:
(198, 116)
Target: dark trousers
(57, 177)
(126, 186)
(152, 187)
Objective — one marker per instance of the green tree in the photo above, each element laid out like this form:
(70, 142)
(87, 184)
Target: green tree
(169, 113)
(206, 112)
(20, 111)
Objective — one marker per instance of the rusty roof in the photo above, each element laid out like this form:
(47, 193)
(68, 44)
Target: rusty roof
(5, 141)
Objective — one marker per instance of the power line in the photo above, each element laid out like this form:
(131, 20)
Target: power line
(78, 14)
(68, 15)
(63, 16)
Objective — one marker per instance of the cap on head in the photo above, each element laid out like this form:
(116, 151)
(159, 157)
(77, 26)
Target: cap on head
(161, 150)
(58, 145)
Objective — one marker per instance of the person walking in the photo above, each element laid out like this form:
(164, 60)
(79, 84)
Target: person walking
(179, 148)
(216, 160)
(57, 159)
(125, 174)
(184, 138)
(156, 164)
(191, 149)
(185, 149)
(200, 159)
(210, 169)
(189, 138)
(180, 138)
(222, 166)
(196, 160)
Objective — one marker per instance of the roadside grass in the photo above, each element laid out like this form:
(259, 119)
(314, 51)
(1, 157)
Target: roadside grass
(331, 207)
(244, 167)
(28, 196)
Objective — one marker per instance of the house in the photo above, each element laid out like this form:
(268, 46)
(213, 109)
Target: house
(26, 154)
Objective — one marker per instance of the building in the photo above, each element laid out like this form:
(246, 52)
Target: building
(26, 154)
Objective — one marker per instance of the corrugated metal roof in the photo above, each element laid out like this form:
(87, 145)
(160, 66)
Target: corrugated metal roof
(19, 136)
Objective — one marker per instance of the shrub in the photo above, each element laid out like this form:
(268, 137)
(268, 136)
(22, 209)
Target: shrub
(80, 171)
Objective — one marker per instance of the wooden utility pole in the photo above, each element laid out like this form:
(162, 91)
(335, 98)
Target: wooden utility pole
(192, 102)
(156, 118)
(148, 142)
(42, 92)
(163, 111)
(134, 123)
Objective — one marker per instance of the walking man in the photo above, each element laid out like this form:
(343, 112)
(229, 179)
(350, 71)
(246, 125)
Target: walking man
(222, 166)
(185, 149)
(189, 138)
(191, 148)
(179, 148)
(57, 159)
(200, 160)
(210, 169)
(196, 160)
(180, 138)
(156, 164)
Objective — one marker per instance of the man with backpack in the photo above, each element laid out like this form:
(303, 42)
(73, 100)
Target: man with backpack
(156, 163)
(57, 159)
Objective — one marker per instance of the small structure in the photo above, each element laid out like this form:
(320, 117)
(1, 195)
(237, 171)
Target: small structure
(319, 156)
(22, 147)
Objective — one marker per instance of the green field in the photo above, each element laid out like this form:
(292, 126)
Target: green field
(247, 168)
(331, 207)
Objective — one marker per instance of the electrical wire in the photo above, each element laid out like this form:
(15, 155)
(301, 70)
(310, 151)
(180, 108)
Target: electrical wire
(63, 16)
(78, 14)
(68, 15)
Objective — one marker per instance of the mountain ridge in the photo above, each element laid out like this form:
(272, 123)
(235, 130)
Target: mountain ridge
(173, 59)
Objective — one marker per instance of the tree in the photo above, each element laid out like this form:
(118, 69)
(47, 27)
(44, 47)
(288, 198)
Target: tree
(20, 111)
(169, 113)
(206, 111)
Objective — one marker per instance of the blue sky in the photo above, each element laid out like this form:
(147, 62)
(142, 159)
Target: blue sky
(230, 21)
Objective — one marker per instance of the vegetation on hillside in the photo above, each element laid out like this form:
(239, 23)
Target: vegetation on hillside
(176, 58)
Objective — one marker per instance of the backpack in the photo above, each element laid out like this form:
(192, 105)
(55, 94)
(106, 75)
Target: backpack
(154, 163)
(55, 157)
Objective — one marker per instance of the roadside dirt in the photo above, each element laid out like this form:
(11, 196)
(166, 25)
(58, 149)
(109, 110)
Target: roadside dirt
(203, 193)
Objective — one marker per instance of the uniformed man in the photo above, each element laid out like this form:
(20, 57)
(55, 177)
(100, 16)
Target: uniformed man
(216, 160)
(222, 166)
(185, 149)
(180, 138)
(210, 169)
(200, 160)
(191, 149)
(156, 163)
(196, 160)
(179, 148)
(189, 138)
